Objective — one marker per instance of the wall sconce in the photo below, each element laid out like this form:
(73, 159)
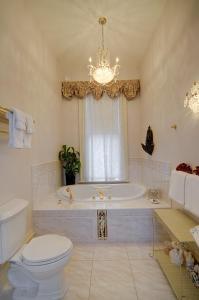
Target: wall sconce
(192, 98)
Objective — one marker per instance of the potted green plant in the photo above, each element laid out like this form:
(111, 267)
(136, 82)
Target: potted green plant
(70, 160)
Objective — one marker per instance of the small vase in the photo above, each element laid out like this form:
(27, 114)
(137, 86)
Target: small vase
(70, 178)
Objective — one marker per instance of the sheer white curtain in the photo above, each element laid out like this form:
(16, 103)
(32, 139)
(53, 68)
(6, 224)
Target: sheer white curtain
(103, 139)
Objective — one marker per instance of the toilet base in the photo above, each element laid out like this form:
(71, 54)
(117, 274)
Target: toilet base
(27, 287)
(24, 294)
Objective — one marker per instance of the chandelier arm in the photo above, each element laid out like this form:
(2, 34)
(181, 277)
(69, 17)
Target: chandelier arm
(102, 36)
(192, 98)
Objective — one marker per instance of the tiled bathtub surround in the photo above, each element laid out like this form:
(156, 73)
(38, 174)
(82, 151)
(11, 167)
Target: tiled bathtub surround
(135, 169)
(124, 225)
(46, 178)
(129, 222)
(151, 173)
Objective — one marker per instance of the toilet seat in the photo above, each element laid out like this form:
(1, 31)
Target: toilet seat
(46, 249)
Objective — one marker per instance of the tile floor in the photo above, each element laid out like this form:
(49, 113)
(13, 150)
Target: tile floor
(115, 272)
(112, 272)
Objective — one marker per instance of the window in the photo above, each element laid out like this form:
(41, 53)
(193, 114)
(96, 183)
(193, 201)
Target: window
(103, 139)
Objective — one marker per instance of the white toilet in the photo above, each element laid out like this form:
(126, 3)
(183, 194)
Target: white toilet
(37, 268)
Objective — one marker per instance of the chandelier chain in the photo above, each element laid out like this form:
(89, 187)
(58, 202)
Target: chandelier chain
(103, 72)
(102, 36)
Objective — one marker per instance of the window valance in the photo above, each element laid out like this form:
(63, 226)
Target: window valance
(129, 88)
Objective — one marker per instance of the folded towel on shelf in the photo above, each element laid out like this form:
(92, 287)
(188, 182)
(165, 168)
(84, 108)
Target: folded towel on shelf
(195, 233)
(177, 186)
(192, 194)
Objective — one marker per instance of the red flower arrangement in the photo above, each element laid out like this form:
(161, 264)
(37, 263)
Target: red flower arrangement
(196, 171)
(185, 168)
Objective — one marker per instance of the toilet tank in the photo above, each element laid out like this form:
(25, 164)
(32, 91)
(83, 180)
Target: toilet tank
(13, 227)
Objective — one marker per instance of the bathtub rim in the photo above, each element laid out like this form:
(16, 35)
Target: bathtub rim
(142, 193)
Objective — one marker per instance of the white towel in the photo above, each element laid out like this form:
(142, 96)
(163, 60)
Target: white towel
(29, 124)
(177, 186)
(195, 233)
(192, 194)
(16, 134)
(19, 118)
(29, 131)
(27, 140)
(21, 127)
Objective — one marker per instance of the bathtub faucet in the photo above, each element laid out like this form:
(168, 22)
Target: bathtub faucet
(70, 193)
(101, 195)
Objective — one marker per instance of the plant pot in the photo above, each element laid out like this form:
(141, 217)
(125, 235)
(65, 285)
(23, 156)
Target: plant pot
(70, 178)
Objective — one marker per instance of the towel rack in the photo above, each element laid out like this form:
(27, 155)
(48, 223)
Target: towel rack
(4, 131)
(3, 117)
(3, 114)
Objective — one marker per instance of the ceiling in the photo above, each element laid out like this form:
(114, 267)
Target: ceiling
(71, 29)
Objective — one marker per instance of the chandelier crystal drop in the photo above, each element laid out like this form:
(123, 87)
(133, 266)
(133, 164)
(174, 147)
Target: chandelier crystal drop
(192, 98)
(103, 73)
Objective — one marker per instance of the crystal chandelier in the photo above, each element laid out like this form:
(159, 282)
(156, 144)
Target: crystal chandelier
(103, 73)
(192, 98)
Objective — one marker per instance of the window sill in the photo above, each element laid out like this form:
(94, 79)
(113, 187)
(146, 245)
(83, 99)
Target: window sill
(103, 182)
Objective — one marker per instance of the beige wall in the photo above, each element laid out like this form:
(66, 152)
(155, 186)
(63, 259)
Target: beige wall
(168, 70)
(29, 81)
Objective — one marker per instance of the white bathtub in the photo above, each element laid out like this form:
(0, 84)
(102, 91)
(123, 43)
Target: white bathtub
(102, 192)
(129, 213)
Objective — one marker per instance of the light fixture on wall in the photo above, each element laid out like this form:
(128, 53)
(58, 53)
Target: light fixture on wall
(103, 73)
(192, 98)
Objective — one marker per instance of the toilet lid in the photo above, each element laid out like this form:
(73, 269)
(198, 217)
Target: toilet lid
(46, 248)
